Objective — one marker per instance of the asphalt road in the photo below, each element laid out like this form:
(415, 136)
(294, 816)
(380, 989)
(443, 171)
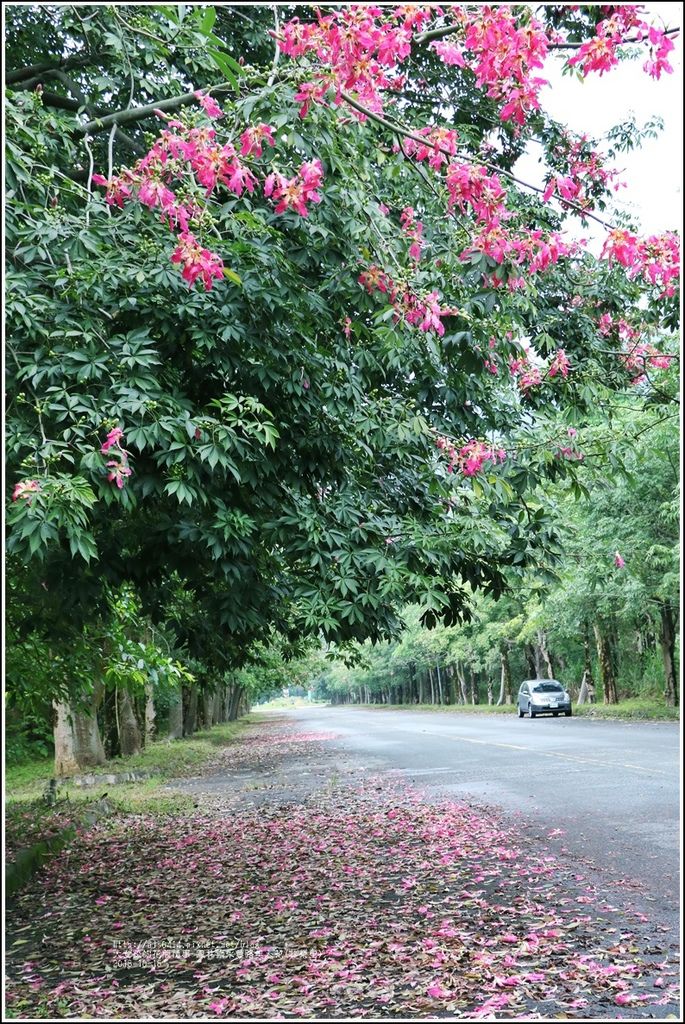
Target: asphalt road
(612, 788)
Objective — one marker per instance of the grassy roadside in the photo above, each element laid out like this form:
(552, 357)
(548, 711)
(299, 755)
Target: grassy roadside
(164, 759)
(283, 703)
(635, 709)
(31, 824)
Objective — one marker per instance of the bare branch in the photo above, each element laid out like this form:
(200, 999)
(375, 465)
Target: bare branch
(130, 116)
(31, 70)
(277, 50)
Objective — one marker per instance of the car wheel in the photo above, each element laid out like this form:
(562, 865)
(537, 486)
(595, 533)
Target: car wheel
(520, 712)
(531, 713)
(556, 714)
(568, 713)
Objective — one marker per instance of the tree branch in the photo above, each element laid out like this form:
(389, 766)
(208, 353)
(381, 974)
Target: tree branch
(130, 116)
(399, 129)
(31, 70)
(448, 30)
(54, 99)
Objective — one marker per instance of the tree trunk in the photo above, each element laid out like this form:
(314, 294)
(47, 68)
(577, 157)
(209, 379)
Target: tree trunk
(207, 705)
(235, 703)
(150, 715)
(587, 684)
(441, 697)
(190, 712)
(462, 683)
(490, 696)
(65, 755)
(474, 688)
(531, 660)
(129, 733)
(176, 717)
(78, 743)
(606, 667)
(667, 643)
(545, 655)
(216, 708)
(452, 685)
(505, 678)
(109, 729)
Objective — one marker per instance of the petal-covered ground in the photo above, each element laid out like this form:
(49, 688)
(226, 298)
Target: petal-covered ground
(354, 898)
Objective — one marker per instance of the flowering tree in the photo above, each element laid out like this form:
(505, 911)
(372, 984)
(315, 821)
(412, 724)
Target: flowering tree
(285, 322)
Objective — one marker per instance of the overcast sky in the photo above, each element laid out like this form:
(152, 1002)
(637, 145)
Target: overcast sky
(654, 173)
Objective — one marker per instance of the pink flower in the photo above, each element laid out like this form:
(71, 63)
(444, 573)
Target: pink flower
(113, 438)
(24, 489)
(559, 365)
(118, 191)
(253, 137)
(197, 262)
(529, 379)
(241, 178)
(436, 991)
(598, 54)
(209, 105)
(449, 53)
(118, 474)
(155, 193)
(618, 561)
(295, 193)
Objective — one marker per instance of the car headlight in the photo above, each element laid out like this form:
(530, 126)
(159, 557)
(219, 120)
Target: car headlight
(567, 696)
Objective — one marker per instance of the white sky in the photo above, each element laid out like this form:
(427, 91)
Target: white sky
(654, 173)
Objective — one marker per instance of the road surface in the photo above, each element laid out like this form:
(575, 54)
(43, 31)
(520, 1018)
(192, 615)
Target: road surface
(612, 788)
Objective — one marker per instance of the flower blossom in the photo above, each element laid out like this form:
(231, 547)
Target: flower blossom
(113, 438)
(119, 470)
(413, 229)
(559, 365)
(197, 262)
(294, 193)
(25, 489)
(470, 458)
(253, 137)
(209, 105)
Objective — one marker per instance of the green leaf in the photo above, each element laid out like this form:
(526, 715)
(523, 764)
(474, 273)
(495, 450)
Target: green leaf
(207, 21)
(225, 65)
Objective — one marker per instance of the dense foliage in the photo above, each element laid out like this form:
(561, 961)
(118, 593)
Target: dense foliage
(605, 617)
(314, 352)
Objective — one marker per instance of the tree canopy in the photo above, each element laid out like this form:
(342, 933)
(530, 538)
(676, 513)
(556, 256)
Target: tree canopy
(290, 345)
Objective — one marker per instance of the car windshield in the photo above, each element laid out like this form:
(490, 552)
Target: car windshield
(548, 688)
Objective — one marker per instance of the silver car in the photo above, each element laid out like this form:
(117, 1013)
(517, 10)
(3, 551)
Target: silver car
(543, 697)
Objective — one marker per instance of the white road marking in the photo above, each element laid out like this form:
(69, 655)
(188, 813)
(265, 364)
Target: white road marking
(546, 753)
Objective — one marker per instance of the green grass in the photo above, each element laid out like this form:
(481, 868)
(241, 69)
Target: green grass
(636, 708)
(173, 758)
(164, 759)
(280, 703)
(641, 708)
